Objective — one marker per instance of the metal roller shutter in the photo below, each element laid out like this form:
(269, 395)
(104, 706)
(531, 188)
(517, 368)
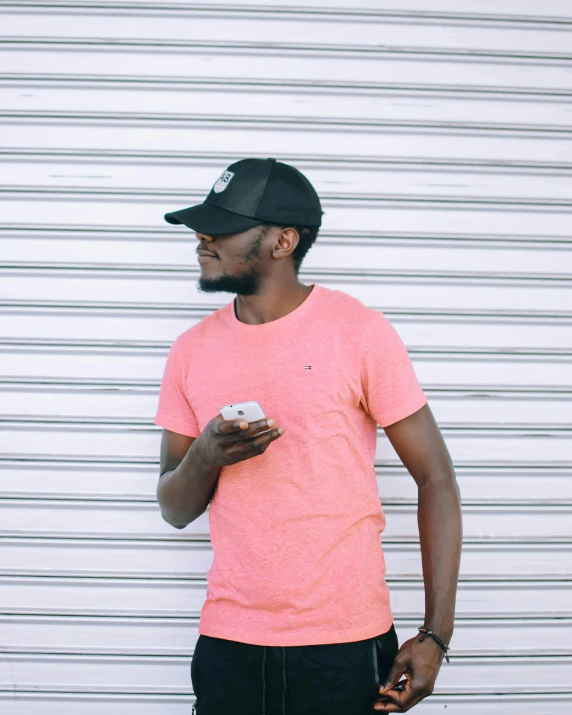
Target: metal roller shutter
(438, 134)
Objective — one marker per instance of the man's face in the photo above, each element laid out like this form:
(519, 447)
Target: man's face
(237, 264)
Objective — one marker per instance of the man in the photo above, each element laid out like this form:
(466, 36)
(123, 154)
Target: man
(297, 616)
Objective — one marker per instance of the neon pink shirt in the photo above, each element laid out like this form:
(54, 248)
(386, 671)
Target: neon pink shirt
(296, 531)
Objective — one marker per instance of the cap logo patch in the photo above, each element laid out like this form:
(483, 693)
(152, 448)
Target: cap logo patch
(223, 181)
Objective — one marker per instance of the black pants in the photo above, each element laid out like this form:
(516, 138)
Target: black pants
(328, 679)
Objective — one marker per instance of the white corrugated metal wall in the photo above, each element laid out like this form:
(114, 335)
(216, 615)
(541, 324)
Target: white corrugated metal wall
(439, 135)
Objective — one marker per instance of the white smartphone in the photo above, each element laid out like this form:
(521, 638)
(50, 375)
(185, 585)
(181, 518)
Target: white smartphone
(249, 411)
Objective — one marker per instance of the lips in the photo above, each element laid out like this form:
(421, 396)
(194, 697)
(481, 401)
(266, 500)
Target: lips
(205, 256)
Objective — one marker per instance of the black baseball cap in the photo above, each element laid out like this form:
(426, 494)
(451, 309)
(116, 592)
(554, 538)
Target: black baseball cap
(250, 192)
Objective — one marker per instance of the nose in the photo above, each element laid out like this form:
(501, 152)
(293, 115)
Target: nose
(204, 237)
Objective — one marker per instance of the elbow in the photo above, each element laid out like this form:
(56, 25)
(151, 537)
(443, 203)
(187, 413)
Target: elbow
(176, 510)
(176, 517)
(439, 475)
(176, 524)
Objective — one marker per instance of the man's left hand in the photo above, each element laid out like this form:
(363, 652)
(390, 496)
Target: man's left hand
(420, 664)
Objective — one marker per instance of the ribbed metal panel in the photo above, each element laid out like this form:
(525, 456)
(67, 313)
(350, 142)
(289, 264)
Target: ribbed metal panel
(439, 136)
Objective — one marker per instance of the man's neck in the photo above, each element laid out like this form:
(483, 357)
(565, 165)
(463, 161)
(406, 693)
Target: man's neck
(270, 304)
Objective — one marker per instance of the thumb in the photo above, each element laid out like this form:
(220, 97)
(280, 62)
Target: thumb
(393, 677)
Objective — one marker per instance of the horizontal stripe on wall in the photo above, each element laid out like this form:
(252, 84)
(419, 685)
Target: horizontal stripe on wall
(381, 183)
(142, 367)
(67, 704)
(307, 91)
(309, 162)
(117, 404)
(406, 257)
(268, 61)
(447, 329)
(382, 30)
(499, 186)
(92, 674)
(84, 519)
(459, 142)
(133, 443)
(393, 213)
(332, 201)
(490, 14)
(328, 125)
(313, 51)
(375, 288)
(85, 558)
(495, 484)
(111, 635)
(169, 597)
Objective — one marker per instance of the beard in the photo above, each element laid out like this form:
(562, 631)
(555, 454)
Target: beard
(246, 282)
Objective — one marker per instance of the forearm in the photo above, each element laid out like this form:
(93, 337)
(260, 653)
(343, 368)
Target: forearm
(441, 535)
(184, 493)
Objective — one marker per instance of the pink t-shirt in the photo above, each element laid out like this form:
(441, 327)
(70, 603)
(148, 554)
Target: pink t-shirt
(296, 531)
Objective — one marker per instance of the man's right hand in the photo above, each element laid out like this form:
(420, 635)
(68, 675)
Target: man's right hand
(226, 442)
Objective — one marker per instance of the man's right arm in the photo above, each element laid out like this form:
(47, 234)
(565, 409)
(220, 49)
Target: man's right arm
(187, 480)
(190, 467)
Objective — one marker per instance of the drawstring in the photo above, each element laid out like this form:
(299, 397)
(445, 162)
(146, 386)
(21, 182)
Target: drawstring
(375, 668)
(284, 678)
(264, 681)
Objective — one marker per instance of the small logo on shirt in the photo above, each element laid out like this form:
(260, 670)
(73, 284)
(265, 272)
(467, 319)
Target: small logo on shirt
(223, 181)
(307, 368)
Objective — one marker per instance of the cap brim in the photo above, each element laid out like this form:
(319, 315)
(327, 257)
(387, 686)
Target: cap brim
(206, 218)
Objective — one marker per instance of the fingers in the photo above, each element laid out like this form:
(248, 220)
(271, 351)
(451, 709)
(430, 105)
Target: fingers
(399, 704)
(387, 708)
(259, 442)
(393, 677)
(401, 701)
(247, 432)
(228, 426)
(256, 428)
(236, 440)
(393, 702)
(223, 426)
(396, 696)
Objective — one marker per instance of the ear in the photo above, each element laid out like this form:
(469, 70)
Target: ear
(286, 241)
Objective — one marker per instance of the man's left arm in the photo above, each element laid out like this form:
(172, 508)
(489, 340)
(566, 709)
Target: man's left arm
(420, 446)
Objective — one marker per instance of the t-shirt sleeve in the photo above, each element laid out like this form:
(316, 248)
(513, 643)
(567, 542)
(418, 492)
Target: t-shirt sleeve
(174, 411)
(390, 388)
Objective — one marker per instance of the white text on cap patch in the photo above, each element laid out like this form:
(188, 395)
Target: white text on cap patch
(223, 181)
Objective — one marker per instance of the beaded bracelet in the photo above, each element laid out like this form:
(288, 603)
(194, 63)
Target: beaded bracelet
(429, 632)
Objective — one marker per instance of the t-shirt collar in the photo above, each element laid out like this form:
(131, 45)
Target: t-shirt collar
(285, 322)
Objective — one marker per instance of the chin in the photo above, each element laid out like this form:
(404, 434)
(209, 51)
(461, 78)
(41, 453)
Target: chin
(242, 285)
(212, 285)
